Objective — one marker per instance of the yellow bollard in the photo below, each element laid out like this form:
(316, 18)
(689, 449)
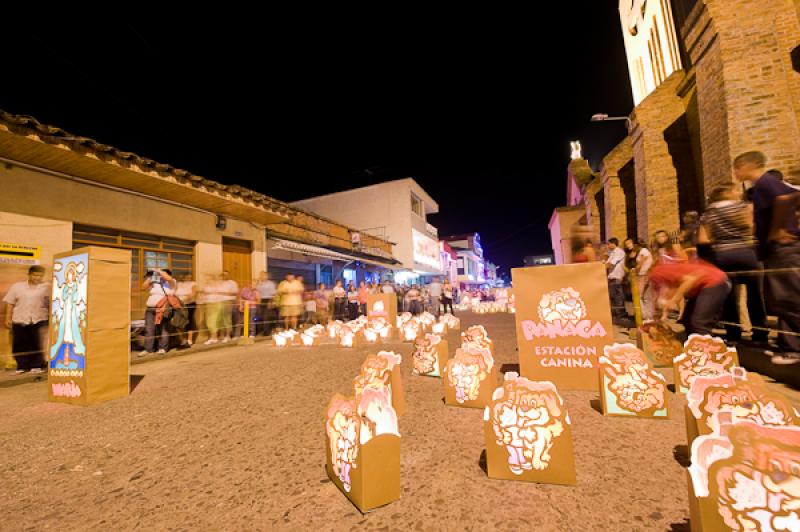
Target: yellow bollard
(245, 339)
(637, 302)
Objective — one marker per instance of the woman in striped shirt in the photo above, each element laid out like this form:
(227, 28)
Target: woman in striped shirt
(727, 225)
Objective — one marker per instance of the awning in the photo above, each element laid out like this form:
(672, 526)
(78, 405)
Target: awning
(315, 251)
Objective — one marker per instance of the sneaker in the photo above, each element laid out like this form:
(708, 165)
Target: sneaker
(189, 343)
(143, 353)
(786, 359)
(20, 371)
(211, 341)
(162, 351)
(37, 370)
(226, 339)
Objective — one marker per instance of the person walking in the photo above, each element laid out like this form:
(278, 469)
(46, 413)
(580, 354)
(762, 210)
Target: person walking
(665, 250)
(776, 227)
(229, 293)
(27, 316)
(727, 225)
(322, 298)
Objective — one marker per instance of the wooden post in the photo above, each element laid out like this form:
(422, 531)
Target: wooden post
(637, 301)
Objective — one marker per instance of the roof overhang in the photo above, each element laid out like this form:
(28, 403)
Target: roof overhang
(316, 251)
(111, 168)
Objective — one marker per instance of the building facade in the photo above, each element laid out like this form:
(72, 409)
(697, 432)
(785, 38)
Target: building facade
(470, 263)
(711, 79)
(397, 211)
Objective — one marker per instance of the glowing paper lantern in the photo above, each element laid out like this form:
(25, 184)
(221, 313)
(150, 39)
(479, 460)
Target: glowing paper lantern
(629, 386)
(702, 355)
(528, 434)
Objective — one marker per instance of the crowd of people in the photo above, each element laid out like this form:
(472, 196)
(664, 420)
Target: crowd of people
(747, 239)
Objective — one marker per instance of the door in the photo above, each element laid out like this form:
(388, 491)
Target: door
(236, 260)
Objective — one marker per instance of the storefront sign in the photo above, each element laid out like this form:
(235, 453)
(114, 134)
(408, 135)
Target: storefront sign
(19, 254)
(563, 323)
(426, 250)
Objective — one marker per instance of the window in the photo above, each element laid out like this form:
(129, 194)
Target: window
(416, 205)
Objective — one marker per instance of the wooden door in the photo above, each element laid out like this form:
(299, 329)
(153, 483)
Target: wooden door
(236, 260)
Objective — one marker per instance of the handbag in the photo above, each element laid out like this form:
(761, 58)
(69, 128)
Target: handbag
(178, 317)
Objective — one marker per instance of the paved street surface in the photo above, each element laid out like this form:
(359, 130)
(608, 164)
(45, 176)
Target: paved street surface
(234, 439)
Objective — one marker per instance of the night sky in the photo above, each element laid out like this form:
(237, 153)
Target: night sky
(478, 108)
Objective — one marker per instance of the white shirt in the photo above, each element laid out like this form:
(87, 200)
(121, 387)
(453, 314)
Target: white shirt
(31, 302)
(184, 291)
(229, 290)
(435, 289)
(617, 261)
(157, 293)
(645, 260)
(266, 289)
(387, 289)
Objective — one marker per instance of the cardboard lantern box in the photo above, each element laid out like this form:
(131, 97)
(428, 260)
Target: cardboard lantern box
(629, 386)
(476, 336)
(742, 477)
(363, 449)
(469, 378)
(379, 371)
(89, 335)
(286, 338)
(430, 355)
(702, 355)
(546, 456)
(563, 319)
(382, 306)
(349, 338)
(410, 332)
(742, 394)
(659, 342)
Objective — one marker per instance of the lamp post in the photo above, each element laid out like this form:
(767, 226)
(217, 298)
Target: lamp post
(602, 117)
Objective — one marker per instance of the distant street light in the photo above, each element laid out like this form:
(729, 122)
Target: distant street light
(601, 117)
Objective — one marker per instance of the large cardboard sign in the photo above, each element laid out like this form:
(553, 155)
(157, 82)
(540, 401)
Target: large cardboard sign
(629, 386)
(382, 306)
(703, 355)
(469, 378)
(382, 371)
(528, 434)
(430, 355)
(363, 448)
(89, 336)
(742, 394)
(744, 476)
(563, 323)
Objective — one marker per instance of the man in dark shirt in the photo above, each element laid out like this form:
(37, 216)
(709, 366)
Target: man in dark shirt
(774, 213)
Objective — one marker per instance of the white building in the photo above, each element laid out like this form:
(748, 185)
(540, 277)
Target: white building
(470, 265)
(396, 210)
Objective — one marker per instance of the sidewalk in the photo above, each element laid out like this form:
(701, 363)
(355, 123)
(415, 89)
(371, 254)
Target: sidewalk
(9, 378)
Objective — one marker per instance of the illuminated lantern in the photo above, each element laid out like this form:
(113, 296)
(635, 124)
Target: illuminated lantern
(370, 335)
(439, 328)
(629, 386)
(410, 332)
(702, 355)
(469, 378)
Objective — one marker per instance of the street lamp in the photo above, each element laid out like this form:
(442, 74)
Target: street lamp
(602, 117)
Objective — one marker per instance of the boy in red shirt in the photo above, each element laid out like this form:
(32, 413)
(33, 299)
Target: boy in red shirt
(705, 287)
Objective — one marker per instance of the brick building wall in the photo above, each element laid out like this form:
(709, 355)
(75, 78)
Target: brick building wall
(616, 201)
(748, 96)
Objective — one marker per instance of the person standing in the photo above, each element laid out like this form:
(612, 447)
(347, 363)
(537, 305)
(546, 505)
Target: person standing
(727, 225)
(339, 301)
(447, 296)
(615, 264)
(435, 291)
(776, 228)
(291, 301)
(352, 302)
(266, 311)
(250, 298)
(387, 287)
(187, 293)
(159, 284)
(212, 298)
(665, 250)
(27, 315)
(414, 299)
(363, 297)
(229, 291)
(322, 299)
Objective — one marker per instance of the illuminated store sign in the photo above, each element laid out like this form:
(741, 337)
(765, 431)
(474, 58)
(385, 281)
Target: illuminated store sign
(426, 250)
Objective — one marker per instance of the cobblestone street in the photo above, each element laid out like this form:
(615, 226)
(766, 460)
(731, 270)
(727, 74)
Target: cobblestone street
(234, 439)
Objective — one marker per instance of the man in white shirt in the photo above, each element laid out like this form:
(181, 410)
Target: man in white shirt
(229, 292)
(435, 291)
(387, 288)
(615, 264)
(27, 315)
(267, 315)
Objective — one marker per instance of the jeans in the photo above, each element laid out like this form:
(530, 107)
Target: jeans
(782, 290)
(736, 260)
(703, 310)
(151, 330)
(617, 296)
(27, 339)
(448, 303)
(340, 309)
